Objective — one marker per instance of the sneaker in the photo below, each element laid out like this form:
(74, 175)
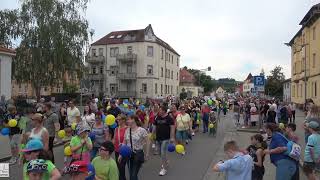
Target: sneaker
(183, 153)
(162, 172)
(13, 160)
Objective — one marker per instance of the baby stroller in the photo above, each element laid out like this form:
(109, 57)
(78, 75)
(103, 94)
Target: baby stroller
(213, 124)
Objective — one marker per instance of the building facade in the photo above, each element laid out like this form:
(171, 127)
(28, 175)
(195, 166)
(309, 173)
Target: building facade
(305, 54)
(287, 90)
(220, 92)
(6, 56)
(134, 63)
(248, 84)
(187, 83)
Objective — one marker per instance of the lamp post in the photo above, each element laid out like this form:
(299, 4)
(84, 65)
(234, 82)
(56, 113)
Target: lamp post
(302, 46)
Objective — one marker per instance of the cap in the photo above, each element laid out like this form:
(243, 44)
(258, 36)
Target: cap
(82, 127)
(76, 167)
(313, 125)
(37, 165)
(33, 145)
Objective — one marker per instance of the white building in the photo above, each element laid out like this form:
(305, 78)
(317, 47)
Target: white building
(287, 90)
(133, 63)
(220, 92)
(5, 71)
(248, 84)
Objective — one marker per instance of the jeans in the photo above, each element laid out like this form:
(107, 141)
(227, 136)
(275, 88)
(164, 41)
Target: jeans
(163, 148)
(134, 168)
(205, 119)
(51, 139)
(285, 169)
(121, 166)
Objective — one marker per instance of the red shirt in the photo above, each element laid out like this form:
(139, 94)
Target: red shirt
(151, 117)
(116, 138)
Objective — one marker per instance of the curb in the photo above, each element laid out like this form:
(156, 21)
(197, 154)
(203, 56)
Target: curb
(6, 158)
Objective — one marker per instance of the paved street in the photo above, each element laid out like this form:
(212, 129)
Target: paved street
(202, 153)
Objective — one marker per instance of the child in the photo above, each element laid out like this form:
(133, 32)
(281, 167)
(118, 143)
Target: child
(255, 150)
(312, 150)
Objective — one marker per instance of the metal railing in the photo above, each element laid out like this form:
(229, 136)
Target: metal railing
(95, 59)
(127, 57)
(127, 76)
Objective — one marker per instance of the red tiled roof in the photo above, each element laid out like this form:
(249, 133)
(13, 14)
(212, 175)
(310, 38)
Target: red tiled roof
(7, 50)
(138, 35)
(186, 76)
(250, 77)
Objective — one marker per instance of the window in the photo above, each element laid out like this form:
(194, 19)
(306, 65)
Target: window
(100, 51)
(94, 52)
(177, 76)
(113, 88)
(94, 70)
(171, 89)
(45, 88)
(111, 37)
(300, 90)
(166, 89)
(302, 65)
(315, 89)
(129, 49)
(150, 51)
(119, 36)
(314, 33)
(161, 89)
(172, 59)
(171, 74)
(114, 51)
(113, 70)
(162, 72)
(101, 69)
(149, 70)
(162, 54)
(166, 56)
(144, 88)
(156, 88)
(101, 86)
(177, 61)
(129, 68)
(314, 60)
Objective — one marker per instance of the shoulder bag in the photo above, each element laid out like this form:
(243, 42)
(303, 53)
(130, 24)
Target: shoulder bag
(137, 155)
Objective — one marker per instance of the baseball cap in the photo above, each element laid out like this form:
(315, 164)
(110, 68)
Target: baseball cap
(313, 125)
(81, 167)
(37, 165)
(82, 127)
(33, 145)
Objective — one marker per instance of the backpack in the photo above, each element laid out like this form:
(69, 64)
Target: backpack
(293, 149)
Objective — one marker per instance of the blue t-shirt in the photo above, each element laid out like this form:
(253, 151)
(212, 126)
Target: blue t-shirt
(313, 143)
(239, 167)
(277, 140)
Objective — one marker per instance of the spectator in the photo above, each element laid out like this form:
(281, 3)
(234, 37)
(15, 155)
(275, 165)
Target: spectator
(271, 115)
(40, 105)
(290, 129)
(54, 105)
(39, 132)
(312, 113)
(88, 116)
(255, 150)
(81, 144)
(238, 166)
(63, 115)
(73, 113)
(101, 133)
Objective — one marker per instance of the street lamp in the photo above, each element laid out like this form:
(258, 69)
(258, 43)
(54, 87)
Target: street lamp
(305, 67)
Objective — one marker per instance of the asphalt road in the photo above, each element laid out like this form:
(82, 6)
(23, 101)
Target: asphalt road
(193, 166)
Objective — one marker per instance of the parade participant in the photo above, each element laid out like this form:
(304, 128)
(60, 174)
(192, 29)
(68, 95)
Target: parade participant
(34, 150)
(271, 115)
(285, 166)
(283, 114)
(80, 170)
(62, 115)
(254, 114)
(88, 116)
(73, 113)
(36, 169)
(54, 106)
(164, 130)
(118, 140)
(40, 105)
(238, 166)
(173, 112)
(205, 117)
(93, 105)
(312, 150)
(293, 111)
(183, 127)
(81, 144)
(256, 151)
(101, 134)
(289, 132)
(51, 123)
(312, 113)
(136, 137)
(236, 111)
(104, 165)
(39, 132)
(15, 133)
(115, 111)
(247, 109)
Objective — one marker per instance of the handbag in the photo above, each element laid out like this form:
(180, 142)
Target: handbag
(293, 149)
(137, 155)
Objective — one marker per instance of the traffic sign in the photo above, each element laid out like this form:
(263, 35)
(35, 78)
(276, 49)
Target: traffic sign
(258, 80)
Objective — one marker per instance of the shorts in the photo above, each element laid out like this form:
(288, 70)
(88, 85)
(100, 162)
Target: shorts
(14, 140)
(181, 135)
(308, 167)
(163, 148)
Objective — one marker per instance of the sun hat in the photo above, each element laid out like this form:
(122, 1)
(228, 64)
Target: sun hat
(33, 145)
(37, 165)
(82, 127)
(314, 125)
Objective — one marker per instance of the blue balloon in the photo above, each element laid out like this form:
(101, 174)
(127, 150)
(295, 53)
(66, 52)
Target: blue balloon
(103, 117)
(92, 136)
(5, 131)
(130, 112)
(125, 101)
(171, 147)
(125, 151)
(91, 172)
(142, 107)
(113, 126)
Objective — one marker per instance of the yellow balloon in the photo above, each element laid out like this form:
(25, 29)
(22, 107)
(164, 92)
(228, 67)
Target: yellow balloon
(110, 120)
(67, 151)
(73, 126)
(125, 105)
(179, 148)
(12, 123)
(108, 107)
(281, 126)
(137, 103)
(61, 134)
(152, 136)
(198, 122)
(211, 125)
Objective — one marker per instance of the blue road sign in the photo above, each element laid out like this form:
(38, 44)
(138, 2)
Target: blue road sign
(258, 81)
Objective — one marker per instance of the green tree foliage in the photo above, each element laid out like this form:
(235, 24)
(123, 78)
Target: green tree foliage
(52, 35)
(274, 82)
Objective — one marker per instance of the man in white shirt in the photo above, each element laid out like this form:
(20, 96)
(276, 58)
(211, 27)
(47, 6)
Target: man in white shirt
(73, 113)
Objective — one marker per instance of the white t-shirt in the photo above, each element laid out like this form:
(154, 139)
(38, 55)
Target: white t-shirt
(89, 118)
(183, 122)
(72, 115)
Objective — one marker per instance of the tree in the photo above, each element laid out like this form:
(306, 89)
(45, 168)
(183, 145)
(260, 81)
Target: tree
(52, 35)
(274, 82)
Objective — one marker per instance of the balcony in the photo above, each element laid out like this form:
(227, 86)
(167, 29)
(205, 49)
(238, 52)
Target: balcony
(95, 59)
(127, 76)
(95, 77)
(125, 58)
(126, 94)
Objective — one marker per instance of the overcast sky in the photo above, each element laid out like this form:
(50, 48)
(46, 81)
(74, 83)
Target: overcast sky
(234, 37)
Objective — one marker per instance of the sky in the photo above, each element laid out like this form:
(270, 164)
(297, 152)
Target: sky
(234, 37)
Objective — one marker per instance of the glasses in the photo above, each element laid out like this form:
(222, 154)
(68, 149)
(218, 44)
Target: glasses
(103, 149)
(29, 152)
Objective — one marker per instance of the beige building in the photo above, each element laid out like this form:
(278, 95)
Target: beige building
(305, 54)
(6, 56)
(133, 63)
(187, 83)
(220, 92)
